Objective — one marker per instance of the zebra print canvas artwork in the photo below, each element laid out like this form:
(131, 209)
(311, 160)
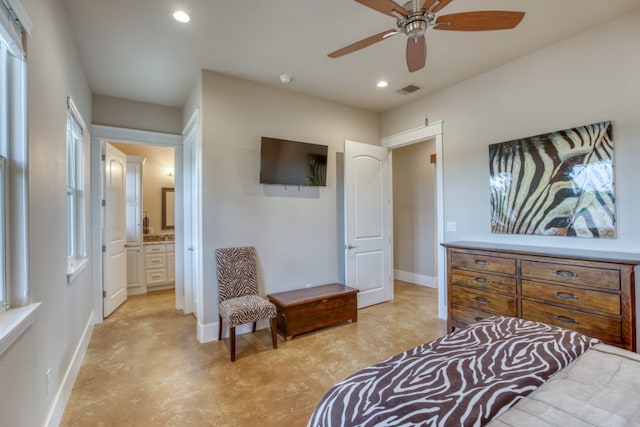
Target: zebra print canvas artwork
(556, 184)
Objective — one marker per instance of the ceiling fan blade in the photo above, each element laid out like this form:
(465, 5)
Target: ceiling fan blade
(416, 53)
(363, 43)
(439, 7)
(384, 6)
(479, 21)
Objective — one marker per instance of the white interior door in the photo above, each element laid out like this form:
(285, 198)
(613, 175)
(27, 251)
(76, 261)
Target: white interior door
(192, 173)
(114, 283)
(368, 216)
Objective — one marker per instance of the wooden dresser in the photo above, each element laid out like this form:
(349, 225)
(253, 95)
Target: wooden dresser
(591, 292)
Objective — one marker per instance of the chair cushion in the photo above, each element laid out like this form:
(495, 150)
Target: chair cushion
(246, 309)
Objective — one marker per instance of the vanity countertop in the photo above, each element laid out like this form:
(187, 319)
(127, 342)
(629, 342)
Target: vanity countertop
(158, 242)
(157, 239)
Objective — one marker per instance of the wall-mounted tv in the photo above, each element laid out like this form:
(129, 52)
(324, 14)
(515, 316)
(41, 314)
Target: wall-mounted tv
(292, 163)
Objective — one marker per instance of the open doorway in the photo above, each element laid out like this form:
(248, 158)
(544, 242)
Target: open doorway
(150, 217)
(433, 131)
(101, 136)
(415, 236)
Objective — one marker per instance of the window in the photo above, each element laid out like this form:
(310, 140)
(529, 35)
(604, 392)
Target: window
(76, 244)
(14, 288)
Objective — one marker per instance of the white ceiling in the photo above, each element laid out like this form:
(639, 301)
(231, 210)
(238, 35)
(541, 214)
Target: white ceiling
(134, 49)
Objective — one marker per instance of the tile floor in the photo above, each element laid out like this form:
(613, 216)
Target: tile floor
(145, 367)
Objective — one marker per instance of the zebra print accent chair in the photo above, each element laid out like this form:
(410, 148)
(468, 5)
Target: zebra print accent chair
(238, 298)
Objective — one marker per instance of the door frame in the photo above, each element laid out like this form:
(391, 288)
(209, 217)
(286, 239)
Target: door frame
(192, 184)
(99, 136)
(413, 136)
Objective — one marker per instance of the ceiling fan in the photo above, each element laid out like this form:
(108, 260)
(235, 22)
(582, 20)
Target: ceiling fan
(413, 20)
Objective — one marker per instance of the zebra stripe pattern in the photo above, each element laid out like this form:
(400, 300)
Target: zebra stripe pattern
(465, 378)
(238, 298)
(557, 184)
(237, 275)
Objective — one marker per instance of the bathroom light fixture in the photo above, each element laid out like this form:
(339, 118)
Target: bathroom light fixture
(170, 172)
(382, 83)
(285, 78)
(181, 16)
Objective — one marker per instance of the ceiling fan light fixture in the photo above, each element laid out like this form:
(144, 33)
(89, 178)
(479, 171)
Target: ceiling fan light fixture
(181, 16)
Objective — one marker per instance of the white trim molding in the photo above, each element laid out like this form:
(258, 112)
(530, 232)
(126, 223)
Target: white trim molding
(416, 279)
(99, 136)
(64, 392)
(14, 323)
(412, 136)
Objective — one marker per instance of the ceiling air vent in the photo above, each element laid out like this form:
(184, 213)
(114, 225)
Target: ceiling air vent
(409, 89)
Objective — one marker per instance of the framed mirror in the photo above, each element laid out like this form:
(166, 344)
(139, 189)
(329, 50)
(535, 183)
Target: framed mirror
(168, 208)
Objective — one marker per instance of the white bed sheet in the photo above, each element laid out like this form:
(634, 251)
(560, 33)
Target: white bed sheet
(600, 388)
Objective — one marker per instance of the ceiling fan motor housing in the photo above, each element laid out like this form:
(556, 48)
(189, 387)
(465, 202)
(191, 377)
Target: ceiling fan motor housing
(414, 25)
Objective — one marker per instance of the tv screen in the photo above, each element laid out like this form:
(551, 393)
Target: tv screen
(292, 163)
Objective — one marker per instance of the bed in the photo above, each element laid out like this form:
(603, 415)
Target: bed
(474, 375)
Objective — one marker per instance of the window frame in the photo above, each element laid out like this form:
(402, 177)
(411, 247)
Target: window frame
(75, 195)
(19, 313)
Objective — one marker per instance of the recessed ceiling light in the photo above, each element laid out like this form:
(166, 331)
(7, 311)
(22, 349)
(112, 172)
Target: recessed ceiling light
(382, 83)
(181, 16)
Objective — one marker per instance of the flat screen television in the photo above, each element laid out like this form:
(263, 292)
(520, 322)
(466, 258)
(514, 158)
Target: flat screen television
(292, 163)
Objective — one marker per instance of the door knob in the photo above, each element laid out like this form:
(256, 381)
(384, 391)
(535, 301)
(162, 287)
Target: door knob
(350, 246)
(190, 249)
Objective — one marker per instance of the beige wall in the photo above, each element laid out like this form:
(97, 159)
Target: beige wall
(414, 212)
(295, 231)
(589, 78)
(54, 72)
(154, 178)
(118, 112)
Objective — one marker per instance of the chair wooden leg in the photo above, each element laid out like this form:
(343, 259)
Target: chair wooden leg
(220, 329)
(274, 336)
(232, 336)
(254, 327)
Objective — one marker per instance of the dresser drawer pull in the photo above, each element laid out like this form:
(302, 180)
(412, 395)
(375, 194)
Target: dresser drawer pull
(481, 262)
(565, 295)
(482, 300)
(563, 273)
(566, 319)
(481, 280)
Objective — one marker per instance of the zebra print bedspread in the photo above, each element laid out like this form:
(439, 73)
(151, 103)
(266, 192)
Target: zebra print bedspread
(465, 378)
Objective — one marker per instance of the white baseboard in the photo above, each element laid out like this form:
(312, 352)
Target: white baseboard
(418, 279)
(209, 332)
(64, 392)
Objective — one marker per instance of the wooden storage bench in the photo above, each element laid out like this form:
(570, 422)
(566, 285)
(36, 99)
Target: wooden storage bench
(309, 309)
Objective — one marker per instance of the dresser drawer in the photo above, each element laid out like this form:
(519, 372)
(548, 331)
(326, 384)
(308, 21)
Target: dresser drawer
(483, 263)
(464, 316)
(605, 303)
(571, 274)
(606, 329)
(482, 280)
(484, 301)
(155, 261)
